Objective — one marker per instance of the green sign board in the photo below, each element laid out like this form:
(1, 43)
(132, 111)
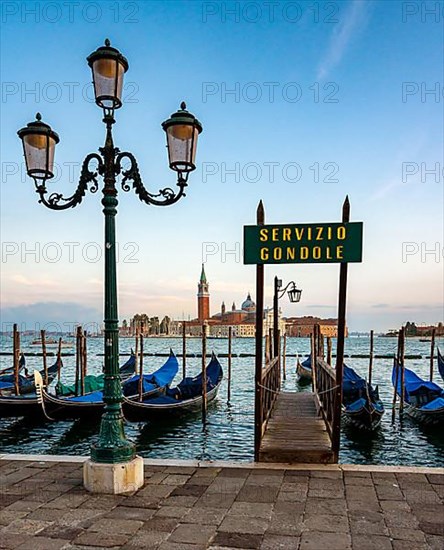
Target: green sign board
(303, 243)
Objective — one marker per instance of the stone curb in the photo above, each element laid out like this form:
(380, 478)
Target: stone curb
(240, 465)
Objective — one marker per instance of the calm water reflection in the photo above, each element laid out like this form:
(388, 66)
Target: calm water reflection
(228, 433)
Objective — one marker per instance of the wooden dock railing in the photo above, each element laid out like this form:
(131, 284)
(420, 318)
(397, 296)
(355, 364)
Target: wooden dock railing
(325, 386)
(325, 392)
(270, 386)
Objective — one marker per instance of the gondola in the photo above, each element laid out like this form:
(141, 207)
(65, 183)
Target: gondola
(26, 381)
(25, 404)
(440, 364)
(361, 406)
(91, 405)
(129, 367)
(185, 398)
(423, 400)
(303, 371)
(7, 374)
(92, 383)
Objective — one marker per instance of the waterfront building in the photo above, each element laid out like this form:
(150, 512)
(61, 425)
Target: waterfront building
(302, 327)
(242, 320)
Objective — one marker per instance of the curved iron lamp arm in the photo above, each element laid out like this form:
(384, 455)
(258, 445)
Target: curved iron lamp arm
(133, 174)
(282, 292)
(56, 201)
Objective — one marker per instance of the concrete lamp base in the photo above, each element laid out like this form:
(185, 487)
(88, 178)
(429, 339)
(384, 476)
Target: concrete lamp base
(113, 479)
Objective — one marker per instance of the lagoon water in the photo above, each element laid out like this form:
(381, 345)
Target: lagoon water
(228, 434)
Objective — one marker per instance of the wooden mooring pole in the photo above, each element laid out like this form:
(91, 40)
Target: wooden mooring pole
(395, 390)
(204, 373)
(272, 352)
(275, 317)
(401, 359)
(284, 358)
(45, 364)
(140, 386)
(59, 360)
(82, 357)
(137, 344)
(432, 353)
(313, 359)
(370, 363)
(260, 220)
(85, 356)
(343, 270)
(184, 349)
(16, 358)
(230, 335)
(329, 350)
(78, 344)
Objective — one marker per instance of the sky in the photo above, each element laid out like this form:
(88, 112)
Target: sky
(302, 103)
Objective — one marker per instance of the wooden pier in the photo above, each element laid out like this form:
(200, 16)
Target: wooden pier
(296, 431)
(296, 427)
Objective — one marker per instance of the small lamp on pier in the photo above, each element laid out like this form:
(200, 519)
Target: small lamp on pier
(294, 294)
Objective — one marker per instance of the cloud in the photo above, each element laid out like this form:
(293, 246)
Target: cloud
(32, 282)
(380, 305)
(421, 307)
(353, 18)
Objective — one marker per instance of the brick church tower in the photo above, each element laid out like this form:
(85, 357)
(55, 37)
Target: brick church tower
(203, 297)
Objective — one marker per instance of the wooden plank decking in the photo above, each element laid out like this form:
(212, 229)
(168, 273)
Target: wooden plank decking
(295, 433)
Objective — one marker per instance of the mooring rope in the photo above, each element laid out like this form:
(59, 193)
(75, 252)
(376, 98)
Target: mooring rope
(329, 390)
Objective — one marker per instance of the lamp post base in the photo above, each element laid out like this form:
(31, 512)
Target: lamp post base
(113, 479)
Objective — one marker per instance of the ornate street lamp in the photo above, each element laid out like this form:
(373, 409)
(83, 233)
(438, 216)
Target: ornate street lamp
(108, 66)
(294, 295)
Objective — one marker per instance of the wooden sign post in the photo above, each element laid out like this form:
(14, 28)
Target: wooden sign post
(260, 220)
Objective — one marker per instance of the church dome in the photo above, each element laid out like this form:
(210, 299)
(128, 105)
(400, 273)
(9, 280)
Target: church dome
(248, 305)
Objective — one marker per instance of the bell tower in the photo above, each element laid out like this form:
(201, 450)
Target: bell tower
(203, 297)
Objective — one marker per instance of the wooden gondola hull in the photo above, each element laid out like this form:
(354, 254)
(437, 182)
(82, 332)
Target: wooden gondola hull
(135, 411)
(20, 406)
(184, 399)
(427, 418)
(362, 419)
(423, 400)
(26, 403)
(440, 360)
(67, 409)
(305, 376)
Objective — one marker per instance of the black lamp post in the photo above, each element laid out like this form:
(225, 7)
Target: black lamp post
(108, 67)
(294, 295)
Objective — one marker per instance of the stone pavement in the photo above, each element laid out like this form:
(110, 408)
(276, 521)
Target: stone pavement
(43, 506)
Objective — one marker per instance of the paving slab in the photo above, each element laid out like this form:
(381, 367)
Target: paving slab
(219, 506)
